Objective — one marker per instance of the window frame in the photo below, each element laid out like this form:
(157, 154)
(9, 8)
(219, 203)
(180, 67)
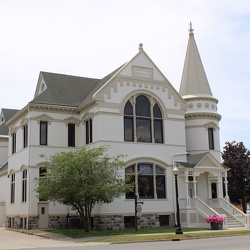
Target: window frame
(13, 143)
(88, 131)
(143, 125)
(12, 188)
(71, 134)
(134, 175)
(211, 138)
(24, 185)
(43, 133)
(25, 136)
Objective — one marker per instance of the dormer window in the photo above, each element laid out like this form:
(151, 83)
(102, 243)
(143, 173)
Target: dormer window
(2, 119)
(43, 87)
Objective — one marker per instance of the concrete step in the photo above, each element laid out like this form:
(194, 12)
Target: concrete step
(231, 221)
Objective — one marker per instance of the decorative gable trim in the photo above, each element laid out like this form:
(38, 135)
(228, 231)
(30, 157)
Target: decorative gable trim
(72, 120)
(13, 129)
(44, 117)
(211, 125)
(23, 167)
(87, 116)
(24, 121)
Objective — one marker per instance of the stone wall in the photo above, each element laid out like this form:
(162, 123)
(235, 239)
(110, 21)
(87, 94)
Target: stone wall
(33, 222)
(108, 222)
(58, 221)
(149, 221)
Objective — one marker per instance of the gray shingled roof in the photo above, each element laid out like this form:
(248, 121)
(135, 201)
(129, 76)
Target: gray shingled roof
(4, 167)
(67, 90)
(192, 160)
(7, 113)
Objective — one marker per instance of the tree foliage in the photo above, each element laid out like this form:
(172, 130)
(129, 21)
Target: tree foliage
(81, 179)
(237, 158)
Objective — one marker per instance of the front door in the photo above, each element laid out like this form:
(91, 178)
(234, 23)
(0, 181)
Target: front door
(43, 215)
(214, 190)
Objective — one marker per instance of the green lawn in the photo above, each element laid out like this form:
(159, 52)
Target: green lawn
(79, 233)
(149, 234)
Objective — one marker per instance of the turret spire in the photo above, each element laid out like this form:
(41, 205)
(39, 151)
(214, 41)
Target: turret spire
(194, 80)
(191, 33)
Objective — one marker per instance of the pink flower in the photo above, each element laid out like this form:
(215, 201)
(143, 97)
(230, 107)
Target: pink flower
(214, 218)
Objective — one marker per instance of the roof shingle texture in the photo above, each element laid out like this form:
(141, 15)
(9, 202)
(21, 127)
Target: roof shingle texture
(67, 90)
(7, 113)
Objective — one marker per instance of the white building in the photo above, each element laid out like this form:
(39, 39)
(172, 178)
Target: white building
(136, 111)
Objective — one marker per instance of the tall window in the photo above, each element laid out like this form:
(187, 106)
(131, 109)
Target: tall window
(211, 138)
(42, 172)
(149, 180)
(71, 135)
(12, 188)
(143, 120)
(43, 133)
(25, 136)
(88, 134)
(13, 143)
(24, 186)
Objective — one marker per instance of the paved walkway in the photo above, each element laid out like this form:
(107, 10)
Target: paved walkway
(25, 239)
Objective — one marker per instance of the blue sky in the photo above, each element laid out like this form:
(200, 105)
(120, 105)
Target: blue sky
(92, 38)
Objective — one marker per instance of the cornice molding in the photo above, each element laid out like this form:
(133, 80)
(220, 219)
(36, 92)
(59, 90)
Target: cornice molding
(200, 98)
(4, 138)
(45, 107)
(203, 115)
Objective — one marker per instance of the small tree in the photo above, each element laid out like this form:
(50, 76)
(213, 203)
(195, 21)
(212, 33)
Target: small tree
(82, 179)
(236, 157)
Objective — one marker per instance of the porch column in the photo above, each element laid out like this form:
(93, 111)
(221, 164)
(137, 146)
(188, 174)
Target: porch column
(219, 186)
(195, 186)
(226, 187)
(187, 194)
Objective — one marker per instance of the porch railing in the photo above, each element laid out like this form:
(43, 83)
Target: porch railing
(203, 208)
(234, 211)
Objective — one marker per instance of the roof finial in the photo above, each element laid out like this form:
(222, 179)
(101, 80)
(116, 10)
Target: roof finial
(191, 29)
(140, 47)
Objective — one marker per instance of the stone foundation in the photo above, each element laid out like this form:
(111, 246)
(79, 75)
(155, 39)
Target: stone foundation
(108, 222)
(105, 222)
(58, 221)
(149, 221)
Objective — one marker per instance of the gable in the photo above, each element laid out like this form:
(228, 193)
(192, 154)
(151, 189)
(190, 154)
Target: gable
(207, 162)
(140, 74)
(201, 161)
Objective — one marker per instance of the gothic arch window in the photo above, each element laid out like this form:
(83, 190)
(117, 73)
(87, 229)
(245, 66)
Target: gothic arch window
(143, 120)
(149, 181)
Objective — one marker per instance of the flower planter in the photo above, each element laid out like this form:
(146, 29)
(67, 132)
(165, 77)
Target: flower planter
(216, 226)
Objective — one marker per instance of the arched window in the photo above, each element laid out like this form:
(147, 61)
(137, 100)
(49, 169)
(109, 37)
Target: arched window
(143, 120)
(149, 181)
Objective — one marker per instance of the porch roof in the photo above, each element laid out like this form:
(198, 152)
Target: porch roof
(195, 159)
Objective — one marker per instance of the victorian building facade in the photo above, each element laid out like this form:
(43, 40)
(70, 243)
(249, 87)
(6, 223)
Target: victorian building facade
(137, 112)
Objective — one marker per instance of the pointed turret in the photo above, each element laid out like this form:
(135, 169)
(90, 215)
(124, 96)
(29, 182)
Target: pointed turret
(194, 80)
(202, 119)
